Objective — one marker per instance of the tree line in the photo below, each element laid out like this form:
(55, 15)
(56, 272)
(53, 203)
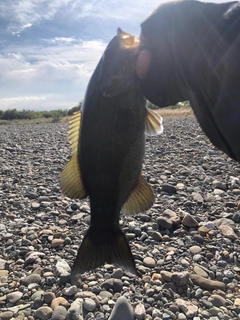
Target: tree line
(56, 115)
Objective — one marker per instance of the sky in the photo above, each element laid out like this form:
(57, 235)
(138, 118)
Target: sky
(49, 48)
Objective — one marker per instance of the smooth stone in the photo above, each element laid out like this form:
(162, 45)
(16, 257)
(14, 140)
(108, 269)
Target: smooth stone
(140, 312)
(31, 278)
(89, 304)
(149, 262)
(6, 315)
(48, 297)
(122, 310)
(197, 197)
(35, 205)
(44, 313)
(3, 264)
(189, 221)
(228, 232)
(59, 313)
(224, 222)
(75, 310)
(217, 300)
(166, 275)
(180, 278)
(57, 242)
(199, 271)
(118, 273)
(169, 188)
(207, 283)
(15, 296)
(188, 308)
(169, 213)
(61, 267)
(59, 301)
(164, 222)
(195, 249)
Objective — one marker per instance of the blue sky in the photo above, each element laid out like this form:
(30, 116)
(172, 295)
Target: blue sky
(49, 48)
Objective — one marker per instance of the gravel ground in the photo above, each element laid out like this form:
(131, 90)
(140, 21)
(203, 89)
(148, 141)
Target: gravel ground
(186, 247)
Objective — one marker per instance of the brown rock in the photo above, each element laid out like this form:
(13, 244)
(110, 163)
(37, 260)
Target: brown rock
(60, 301)
(207, 283)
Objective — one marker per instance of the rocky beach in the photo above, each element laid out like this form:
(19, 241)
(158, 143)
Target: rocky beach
(186, 247)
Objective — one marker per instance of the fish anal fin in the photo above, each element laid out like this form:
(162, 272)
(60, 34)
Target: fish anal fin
(71, 181)
(153, 123)
(103, 246)
(141, 198)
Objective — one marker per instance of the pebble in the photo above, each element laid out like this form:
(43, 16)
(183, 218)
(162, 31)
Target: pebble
(122, 310)
(89, 304)
(207, 283)
(59, 313)
(149, 262)
(44, 313)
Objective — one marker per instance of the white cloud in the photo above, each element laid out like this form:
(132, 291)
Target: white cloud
(62, 68)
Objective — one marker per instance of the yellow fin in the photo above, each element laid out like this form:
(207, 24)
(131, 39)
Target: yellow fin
(73, 132)
(70, 179)
(153, 123)
(128, 40)
(141, 198)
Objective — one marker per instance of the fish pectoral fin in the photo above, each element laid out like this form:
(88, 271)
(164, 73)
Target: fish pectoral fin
(73, 132)
(153, 123)
(71, 181)
(103, 246)
(141, 198)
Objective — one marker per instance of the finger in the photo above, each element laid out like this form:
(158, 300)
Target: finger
(143, 63)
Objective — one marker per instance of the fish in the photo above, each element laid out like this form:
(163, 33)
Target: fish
(108, 146)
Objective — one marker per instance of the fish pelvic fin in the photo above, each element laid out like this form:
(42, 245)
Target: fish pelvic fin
(141, 198)
(103, 246)
(70, 178)
(153, 123)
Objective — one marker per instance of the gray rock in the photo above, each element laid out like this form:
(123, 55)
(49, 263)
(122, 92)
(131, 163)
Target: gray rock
(217, 300)
(197, 197)
(180, 278)
(14, 297)
(31, 278)
(189, 221)
(164, 222)
(122, 310)
(70, 291)
(188, 308)
(62, 267)
(140, 312)
(6, 315)
(44, 313)
(75, 310)
(207, 283)
(2, 264)
(59, 313)
(89, 304)
(149, 262)
(118, 273)
(228, 232)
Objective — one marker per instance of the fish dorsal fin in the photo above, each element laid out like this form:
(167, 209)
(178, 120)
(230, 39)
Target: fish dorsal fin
(128, 40)
(153, 123)
(70, 178)
(141, 198)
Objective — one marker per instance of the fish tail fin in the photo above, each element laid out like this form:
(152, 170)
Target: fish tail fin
(103, 246)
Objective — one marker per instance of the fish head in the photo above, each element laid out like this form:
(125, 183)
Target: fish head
(117, 66)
